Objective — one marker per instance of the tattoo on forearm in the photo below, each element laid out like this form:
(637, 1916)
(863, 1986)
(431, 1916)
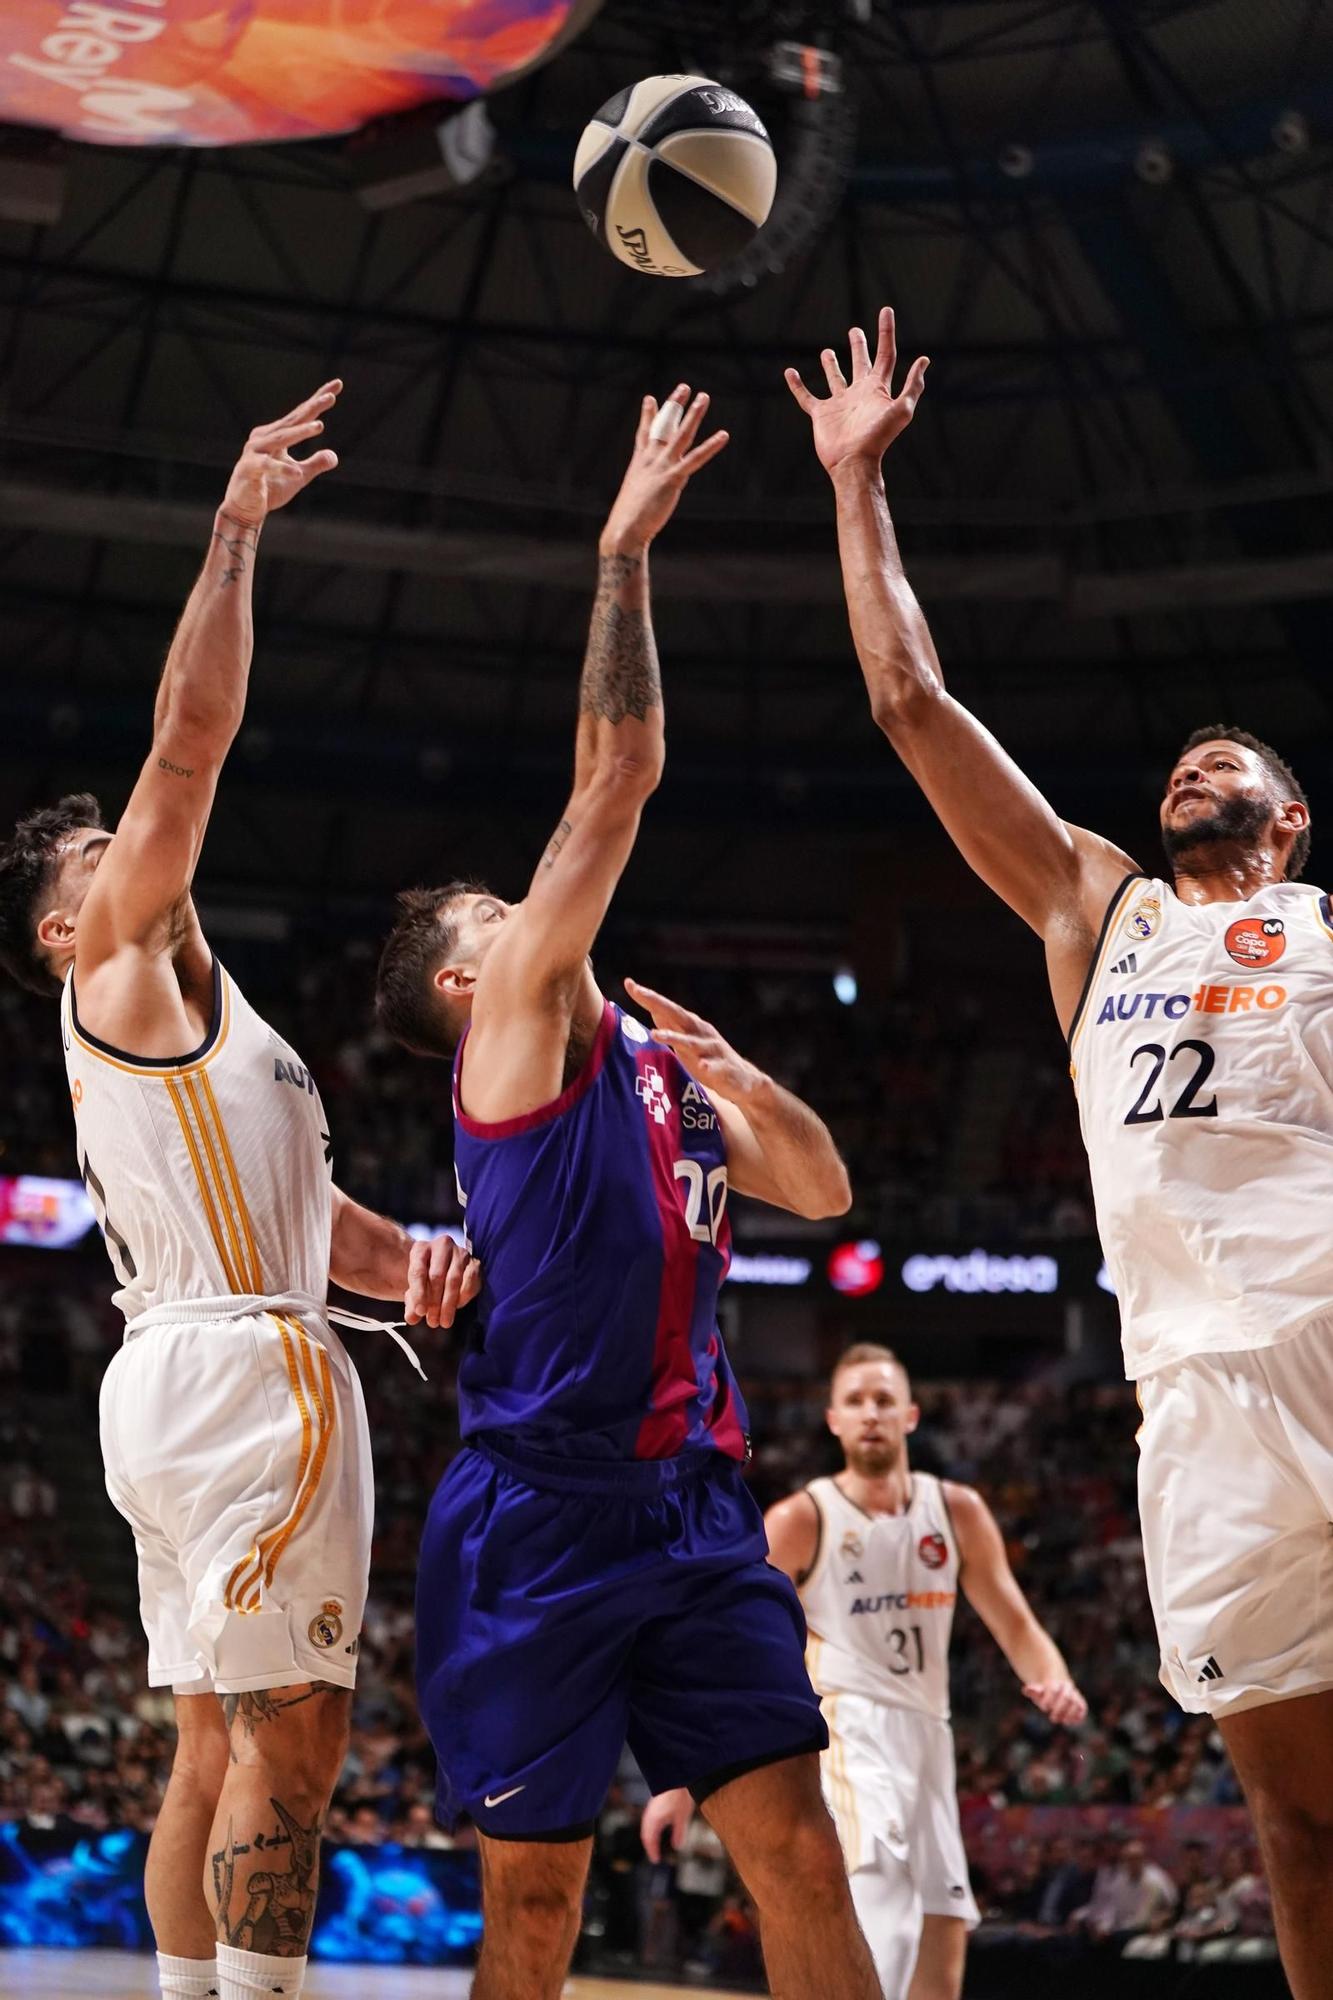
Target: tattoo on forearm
(175, 770)
(620, 674)
(244, 539)
(266, 1705)
(558, 839)
(267, 1902)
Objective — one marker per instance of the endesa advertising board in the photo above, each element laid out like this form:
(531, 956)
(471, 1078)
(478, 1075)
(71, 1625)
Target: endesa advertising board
(240, 72)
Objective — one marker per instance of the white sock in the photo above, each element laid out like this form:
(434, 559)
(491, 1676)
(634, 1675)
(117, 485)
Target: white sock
(251, 1975)
(187, 1978)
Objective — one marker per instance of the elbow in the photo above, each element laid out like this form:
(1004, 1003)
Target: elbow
(631, 776)
(832, 1199)
(901, 700)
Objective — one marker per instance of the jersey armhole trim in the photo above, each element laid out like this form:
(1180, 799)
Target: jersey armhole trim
(941, 1484)
(1094, 963)
(157, 1065)
(818, 1555)
(545, 1114)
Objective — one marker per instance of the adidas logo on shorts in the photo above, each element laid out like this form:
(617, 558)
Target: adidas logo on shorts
(1211, 1671)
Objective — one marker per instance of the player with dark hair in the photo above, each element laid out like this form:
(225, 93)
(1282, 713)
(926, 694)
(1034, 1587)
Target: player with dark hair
(878, 1554)
(232, 1424)
(1199, 1011)
(593, 1565)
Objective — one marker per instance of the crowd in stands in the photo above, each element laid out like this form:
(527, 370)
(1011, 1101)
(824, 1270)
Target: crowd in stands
(84, 1742)
(887, 1075)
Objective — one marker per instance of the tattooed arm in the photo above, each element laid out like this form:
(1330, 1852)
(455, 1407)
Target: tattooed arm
(536, 999)
(142, 969)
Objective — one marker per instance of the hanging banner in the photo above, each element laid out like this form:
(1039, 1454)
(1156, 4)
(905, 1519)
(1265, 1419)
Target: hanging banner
(240, 72)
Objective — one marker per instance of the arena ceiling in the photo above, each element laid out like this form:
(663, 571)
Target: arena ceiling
(1108, 224)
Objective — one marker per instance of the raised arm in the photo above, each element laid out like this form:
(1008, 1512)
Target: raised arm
(1059, 878)
(778, 1149)
(535, 985)
(137, 907)
(993, 1591)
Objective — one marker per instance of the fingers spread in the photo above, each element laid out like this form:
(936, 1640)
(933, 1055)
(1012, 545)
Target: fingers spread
(319, 461)
(689, 429)
(806, 401)
(702, 453)
(860, 353)
(646, 415)
(837, 381)
(915, 383)
(657, 1003)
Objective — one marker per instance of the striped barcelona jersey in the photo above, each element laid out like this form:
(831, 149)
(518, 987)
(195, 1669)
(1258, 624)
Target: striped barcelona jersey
(209, 1175)
(601, 1225)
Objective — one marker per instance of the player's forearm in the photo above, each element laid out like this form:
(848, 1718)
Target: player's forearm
(798, 1151)
(201, 696)
(622, 724)
(368, 1254)
(1034, 1655)
(889, 629)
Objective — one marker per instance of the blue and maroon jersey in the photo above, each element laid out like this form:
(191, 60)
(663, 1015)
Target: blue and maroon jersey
(601, 1225)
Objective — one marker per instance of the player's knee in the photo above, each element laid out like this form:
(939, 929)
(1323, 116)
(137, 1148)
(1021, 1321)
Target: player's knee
(545, 1916)
(806, 1849)
(1297, 1838)
(298, 1738)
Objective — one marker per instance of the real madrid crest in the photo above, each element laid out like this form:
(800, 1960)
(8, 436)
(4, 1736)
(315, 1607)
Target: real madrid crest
(852, 1545)
(1143, 919)
(326, 1628)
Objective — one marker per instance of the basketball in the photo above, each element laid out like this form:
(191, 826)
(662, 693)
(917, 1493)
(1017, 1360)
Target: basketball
(675, 175)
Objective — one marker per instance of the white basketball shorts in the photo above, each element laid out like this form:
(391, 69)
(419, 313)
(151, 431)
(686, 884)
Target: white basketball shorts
(1236, 1497)
(891, 1784)
(238, 1451)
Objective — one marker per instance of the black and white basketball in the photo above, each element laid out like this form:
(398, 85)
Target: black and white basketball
(675, 175)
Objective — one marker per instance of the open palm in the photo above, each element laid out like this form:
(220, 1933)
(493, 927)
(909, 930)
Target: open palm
(861, 418)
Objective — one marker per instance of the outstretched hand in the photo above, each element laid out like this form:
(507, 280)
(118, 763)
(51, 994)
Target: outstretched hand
(861, 418)
(707, 1055)
(266, 476)
(665, 460)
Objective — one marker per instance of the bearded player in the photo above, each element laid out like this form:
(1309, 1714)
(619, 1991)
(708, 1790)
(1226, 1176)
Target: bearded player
(593, 1564)
(233, 1429)
(1199, 1011)
(878, 1554)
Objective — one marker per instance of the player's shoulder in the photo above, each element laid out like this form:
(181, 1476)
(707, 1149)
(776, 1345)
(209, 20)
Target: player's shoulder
(795, 1533)
(969, 1514)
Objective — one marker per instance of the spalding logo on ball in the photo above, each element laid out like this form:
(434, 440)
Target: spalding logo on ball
(675, 175)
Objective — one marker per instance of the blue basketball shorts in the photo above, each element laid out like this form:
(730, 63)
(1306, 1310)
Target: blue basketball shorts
(564, 1609)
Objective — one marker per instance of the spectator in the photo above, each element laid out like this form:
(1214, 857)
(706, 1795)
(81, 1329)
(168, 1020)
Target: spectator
(701, 1881)
(1129, 1896)
(1066, 1883)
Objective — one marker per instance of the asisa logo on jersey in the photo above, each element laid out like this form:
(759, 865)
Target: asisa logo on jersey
(1144, 918)
(651, 1088)
(933, 1550)
(696, 1113)
(1256, 941)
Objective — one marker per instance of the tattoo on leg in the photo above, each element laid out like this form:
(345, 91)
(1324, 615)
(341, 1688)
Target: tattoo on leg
(620, 674)
(277, 1894)
(266, 1705)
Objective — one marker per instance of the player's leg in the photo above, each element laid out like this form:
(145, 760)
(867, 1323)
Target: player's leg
(1239, 1573)
(1283, 1754)
(286, 1749)
(940, 1959)
(532, 1903)
(778, 1831)
(178, 1910)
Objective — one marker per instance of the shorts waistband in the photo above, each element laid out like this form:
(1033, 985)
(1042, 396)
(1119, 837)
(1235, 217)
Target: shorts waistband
(612, 1475)
(227, 1308)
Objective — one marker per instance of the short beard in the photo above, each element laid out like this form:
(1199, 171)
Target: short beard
(1237, 822)
(873, 1461)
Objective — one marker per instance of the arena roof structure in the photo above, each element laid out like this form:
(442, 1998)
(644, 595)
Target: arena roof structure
(1110, 227)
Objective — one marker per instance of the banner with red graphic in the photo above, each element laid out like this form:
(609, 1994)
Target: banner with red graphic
(239, 72)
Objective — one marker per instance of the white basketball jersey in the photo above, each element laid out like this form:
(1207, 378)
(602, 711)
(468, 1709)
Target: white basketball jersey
(210, 1176)
(879, 1600)
(1202, 1055)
